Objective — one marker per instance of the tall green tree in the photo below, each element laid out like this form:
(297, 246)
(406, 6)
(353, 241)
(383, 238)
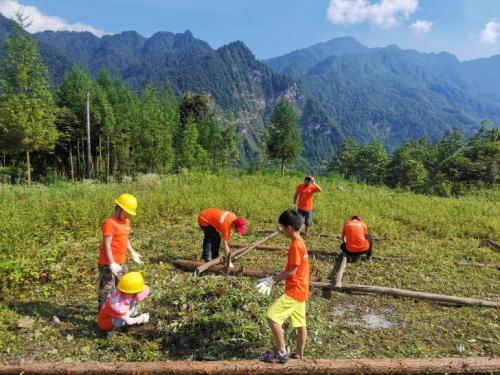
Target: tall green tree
(371, 163)
(283, 141)
(483, 151)
(191, 154)
(71, 94)
(346, 159)
(27, 108)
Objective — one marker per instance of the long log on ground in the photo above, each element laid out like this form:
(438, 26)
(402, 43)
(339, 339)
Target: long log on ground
(312, 252)
(410, 293)
(284, 248)
(467, 365)
(335, 235)
(235, 254)
(486, 242)
(481, 265)
(191, 265)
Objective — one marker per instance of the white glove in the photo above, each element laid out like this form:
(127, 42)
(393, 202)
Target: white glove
(115, 268)
(265, 285)
(144, 318)
(137, 257)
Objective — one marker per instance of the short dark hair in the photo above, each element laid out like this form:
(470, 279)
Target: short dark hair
(290, 218)
(308, 178)
(356, 217)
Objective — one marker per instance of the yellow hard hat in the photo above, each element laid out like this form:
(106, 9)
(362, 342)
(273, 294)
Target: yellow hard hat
(128, 202)
(132, 283)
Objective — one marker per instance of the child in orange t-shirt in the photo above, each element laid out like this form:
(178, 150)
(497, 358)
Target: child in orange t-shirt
(120, 306)
(114, 246)
(292, 304)
(304, 193)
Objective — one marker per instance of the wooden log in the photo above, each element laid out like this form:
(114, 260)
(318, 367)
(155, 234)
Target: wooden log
(284, 248)
(410, 293)
(486, 242)
(467, 365)
(191, 265)
(338, 235)
(235, 254)
(254, 245)
(481, 265)
(340, 271)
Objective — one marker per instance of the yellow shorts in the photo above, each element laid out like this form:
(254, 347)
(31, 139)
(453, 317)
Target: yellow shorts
(286, 307)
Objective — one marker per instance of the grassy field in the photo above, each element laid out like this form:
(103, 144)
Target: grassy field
(48, 260)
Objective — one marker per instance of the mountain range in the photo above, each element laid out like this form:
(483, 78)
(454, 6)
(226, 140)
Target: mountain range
(340, 88)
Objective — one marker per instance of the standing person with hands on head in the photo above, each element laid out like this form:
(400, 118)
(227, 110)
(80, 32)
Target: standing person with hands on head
(217, 224)
(292, 304)
(304, 193)
(114, 246)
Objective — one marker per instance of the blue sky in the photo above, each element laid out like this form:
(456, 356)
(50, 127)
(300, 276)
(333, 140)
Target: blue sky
(467, 28)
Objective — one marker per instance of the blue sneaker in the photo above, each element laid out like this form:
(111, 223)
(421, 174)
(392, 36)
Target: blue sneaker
(274, 357)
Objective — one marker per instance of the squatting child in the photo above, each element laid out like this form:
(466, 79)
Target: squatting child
(119, 308)
(292, 304)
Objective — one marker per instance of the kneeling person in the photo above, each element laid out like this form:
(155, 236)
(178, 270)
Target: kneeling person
(357, 241)
(292, 304)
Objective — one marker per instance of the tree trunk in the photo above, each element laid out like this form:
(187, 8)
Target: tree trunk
(83, 158)
(108, 161)
(99, 159)
(78, 166)
(28, 165)
(72, 169)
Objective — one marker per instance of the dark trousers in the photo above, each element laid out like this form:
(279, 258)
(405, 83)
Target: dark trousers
(354, 256)
(211, 243)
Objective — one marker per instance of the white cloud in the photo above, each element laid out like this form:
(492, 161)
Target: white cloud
(421, 27)
(490, 32)
(384, 13)
(41, 22)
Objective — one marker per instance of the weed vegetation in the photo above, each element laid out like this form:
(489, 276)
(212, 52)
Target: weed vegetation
(48, 268)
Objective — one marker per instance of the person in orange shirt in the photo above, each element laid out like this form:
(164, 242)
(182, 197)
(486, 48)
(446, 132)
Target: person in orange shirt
(304, 193)
(292, 304)
(357, 240)
(114, 246)
(217, 224)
